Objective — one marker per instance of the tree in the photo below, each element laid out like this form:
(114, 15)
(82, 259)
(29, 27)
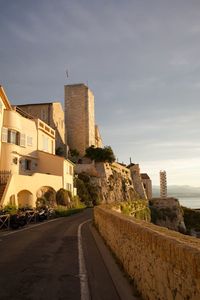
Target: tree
(74, 154)
(60, 151)
(83, 193)
(100, 154)
(88, 192)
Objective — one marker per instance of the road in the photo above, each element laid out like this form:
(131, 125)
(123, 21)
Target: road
(61, 259)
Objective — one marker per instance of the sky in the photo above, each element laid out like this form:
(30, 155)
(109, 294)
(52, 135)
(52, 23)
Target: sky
(140, 58)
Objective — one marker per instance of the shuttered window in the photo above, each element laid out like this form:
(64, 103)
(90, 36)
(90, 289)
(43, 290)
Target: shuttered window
(22, 140)
(13, 137)
(29, 141)
(4, 137)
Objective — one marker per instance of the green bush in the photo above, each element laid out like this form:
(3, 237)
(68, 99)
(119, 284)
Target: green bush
(82, 192)
(60, 151)
(10, 209)
(63, 211)
(76, 203)
(74, 155)
(137, 209)
(41, 202)
(50, 197)
(84, 177)
(87, 192)
(63, 197)
(100, 154)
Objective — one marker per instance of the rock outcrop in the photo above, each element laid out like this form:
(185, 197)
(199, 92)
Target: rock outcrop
(192, 221)
(167, 213)
(112, 182)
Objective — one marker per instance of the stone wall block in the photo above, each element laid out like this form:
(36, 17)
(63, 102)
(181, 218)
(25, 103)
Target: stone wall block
(164, 264)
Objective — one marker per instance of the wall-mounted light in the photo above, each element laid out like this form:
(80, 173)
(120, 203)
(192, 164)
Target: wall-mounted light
(15, 160)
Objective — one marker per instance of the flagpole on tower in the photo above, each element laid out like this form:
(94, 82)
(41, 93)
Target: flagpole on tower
(67, 73)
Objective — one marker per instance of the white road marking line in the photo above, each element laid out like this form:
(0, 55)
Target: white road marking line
(27, 228)
(85, 295)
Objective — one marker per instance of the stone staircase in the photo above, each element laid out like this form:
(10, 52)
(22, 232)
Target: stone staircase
(4, 176)
(2, 189)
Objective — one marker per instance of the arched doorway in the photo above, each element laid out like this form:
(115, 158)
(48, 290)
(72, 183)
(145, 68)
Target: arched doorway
(12, 200)
(25, 199)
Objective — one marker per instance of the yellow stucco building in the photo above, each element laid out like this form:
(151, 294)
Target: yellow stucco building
(52, 114)
(28, 164)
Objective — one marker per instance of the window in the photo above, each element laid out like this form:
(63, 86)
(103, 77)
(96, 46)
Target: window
(70, 170)
(4, 136)
(29, 141)
(13, 137)
(22, 140)
(45, 143)
(68, 187)
(52, 147)
(27, 164)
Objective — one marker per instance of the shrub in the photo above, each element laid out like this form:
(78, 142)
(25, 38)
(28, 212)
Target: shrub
(50, 197)
(63, 211)
(84, 177)
(87, 192)
(137, 209)
(74, 155)
(100, 154)
(10, 209)
(60, 152)
(76, 203)
(82, 192)
(63, 197)
(41, 202)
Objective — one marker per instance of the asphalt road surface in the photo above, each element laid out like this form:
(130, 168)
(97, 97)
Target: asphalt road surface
(60, 259)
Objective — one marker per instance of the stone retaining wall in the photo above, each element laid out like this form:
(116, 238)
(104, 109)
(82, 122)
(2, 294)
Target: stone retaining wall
(163, 264)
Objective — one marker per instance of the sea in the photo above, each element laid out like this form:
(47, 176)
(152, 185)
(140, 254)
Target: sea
(190, 202)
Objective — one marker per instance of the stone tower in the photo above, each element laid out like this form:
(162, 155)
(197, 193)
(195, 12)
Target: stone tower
(79, 117)
(137, 180)
(163, 184)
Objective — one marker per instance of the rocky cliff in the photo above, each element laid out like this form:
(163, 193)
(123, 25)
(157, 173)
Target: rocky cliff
(167, 213)
(192, 221)
(108, 182)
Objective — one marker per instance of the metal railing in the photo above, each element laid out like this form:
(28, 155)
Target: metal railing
(22, 218)
(31, 216)
(5, 221)
(23, 113)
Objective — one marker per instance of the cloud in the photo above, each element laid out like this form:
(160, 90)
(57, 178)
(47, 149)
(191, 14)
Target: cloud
(140, 58)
